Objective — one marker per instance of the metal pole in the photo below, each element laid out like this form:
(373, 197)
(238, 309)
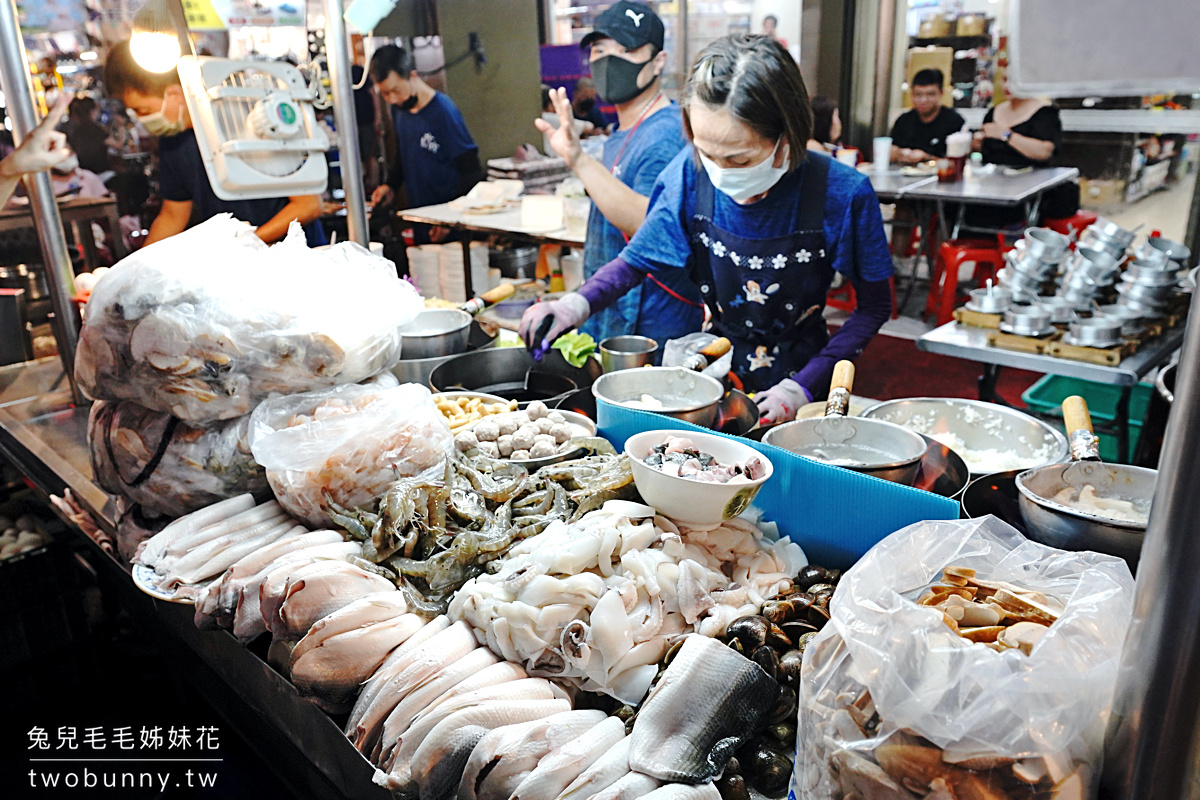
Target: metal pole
(1152, 732)
(885, 36)
(337, 50)
(60, 276)
(179, 21)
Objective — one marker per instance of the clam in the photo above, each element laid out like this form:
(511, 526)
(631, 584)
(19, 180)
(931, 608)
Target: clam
(733, 787)
(766, 658)
(751, 632)
(767, 769)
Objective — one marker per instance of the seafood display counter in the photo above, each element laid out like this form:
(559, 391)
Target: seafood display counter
(44, 436)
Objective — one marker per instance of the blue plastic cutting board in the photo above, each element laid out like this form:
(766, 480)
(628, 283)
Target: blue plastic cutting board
(834, 514)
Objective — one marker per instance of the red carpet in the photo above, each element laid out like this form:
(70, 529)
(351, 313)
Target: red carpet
(892, 368)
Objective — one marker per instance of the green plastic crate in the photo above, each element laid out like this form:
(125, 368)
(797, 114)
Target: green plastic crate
(1046, 396)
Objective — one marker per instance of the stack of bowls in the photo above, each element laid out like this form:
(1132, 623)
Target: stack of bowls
(1170, 255)
(1146, 286)
(1032, 262)
(1107, 236)
(1086, 273)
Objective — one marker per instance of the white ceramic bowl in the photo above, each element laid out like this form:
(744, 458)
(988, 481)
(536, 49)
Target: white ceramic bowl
(687, 500)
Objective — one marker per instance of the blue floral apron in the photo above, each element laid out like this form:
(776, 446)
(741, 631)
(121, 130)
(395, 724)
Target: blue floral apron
(766, 295)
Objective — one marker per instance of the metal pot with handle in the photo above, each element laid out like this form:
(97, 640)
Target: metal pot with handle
(869, 446)
(1086, 504)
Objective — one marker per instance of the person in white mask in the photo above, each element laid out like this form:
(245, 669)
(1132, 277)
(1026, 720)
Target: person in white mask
(760, 224)
(187, 195)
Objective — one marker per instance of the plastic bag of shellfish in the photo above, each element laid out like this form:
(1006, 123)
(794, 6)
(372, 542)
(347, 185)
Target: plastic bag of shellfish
(346, 445)
(169, 466)
(1006, 697)
(206, 324)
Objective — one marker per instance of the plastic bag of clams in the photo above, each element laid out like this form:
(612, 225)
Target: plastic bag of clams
(897, 701)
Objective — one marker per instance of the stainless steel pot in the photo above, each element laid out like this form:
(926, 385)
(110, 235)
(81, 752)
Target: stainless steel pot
(1144, 274)
(1151, 295)
(1174, 251)
(1052, 523)
(1045, 244)
(1131, 321)
(1108, 236)
(1060, 309)
(978, 426)
(511, 372)
(994, 494)
(436, 332)
(1144, 310)
(626, 352)
(671, 391)
(870, 446)
(1024, 289)
(418, 370)
(1098, 331)
(990, 300)
(1029, 266)
(1026, 320)
(1098, 265)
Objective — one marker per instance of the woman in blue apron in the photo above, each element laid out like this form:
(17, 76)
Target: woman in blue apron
(759, 226)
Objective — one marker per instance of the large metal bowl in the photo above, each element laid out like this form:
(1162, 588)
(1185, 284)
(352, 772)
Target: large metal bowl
(436, 332)
(978, 426)
(683, 393)
(1068, 528)
(512, 373)
(869, 446)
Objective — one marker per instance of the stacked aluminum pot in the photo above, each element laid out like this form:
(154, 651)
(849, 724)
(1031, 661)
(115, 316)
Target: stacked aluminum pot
(1032, 263)
(1146, 286)
(1087, 272)
(1107, 236)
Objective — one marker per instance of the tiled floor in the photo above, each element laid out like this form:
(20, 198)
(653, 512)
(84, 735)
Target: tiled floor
(1166, 211)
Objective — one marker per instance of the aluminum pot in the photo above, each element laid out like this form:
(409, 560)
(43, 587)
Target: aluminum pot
(990, 300)
(418, 370)
(1140, 293)
(1108, 235)
(978, 426)
(1097, 331)
(1098, 265)
(1174, 251)
(1131, 321)
(1145, 274)
(1029, 266)
(1026, 320)
(672, 391)
(1143, 310)
(511, 373)
(436, 332)
(1068, 528)
(1045, 244)
(1060, 309)
(870, 446)
(1023, 288)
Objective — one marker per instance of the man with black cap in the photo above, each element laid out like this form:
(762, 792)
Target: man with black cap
(627, 59)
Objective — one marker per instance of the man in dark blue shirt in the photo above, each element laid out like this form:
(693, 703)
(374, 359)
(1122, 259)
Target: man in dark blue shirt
(188, 198)
(437, 160)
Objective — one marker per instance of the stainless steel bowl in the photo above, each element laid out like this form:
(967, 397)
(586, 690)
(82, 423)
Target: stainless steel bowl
(1045, 244)
(1146, 274)
(1067, 528)
(994, 300)
(1151, 295)
(682, 393)
(1026, 320)
(978, 426)
(1130, 319)
(870, 446)
(1024, 289)
(626, 352)
(436, 332)
(1060, 309)
(1096, 264)
(1174, 251)
(1094, 332)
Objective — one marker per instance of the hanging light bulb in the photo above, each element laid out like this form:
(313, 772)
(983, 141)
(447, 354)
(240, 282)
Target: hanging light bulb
(154, 44)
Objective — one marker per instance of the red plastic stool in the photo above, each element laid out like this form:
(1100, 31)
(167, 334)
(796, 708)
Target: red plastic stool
(1071, 226)
(943, 284)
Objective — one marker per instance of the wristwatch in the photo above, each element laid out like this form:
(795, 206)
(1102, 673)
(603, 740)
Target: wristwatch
(1007, 135)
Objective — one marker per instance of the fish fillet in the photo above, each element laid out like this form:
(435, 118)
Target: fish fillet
(151, 550)
(524, 691)
(556, 771)
(318, 595)
(683, 791)
(452, 644)
(604, 772)
(362, 612)
(334, 669)
(421, 696)
(511, 762)
(629, 786)
(437, 765)
(709, 701)
(399, 721)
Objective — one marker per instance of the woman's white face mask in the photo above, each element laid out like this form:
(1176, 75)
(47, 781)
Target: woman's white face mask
(742, 183)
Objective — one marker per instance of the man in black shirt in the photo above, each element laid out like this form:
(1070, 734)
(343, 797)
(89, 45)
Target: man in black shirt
(85, 137)
(920, 134)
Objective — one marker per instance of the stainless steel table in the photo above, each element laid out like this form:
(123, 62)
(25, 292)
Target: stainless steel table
(892, 184)
(73, 212)
(966, 342)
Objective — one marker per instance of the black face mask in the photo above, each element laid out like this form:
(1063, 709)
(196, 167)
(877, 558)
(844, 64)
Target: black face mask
(410, 103)
(616, 78)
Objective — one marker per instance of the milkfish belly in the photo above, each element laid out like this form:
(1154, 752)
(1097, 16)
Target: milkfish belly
(313, 597)
(629, 786)
(555, 772)
(709, 701)
(516, 763)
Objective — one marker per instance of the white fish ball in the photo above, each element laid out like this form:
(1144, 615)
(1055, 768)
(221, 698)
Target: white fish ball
(487, 431)
(556, 416)
(543, 438)
(542, 450)
(489, 449)
(537, 409)
(509, 425)
(467, 440)
(561, 433)
(505, 445)
(522, 439)
(544, 425)
(520, 455)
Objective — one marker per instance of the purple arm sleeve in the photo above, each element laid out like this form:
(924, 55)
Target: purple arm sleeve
(874, 307)
(610, 282)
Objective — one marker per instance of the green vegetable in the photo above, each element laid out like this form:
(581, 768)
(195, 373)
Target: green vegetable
(575, 347)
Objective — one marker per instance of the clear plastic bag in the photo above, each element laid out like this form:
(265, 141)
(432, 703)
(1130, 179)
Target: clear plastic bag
(166, 465)
(676, 351)
(346, 445)
(206, 324)
(893, 703)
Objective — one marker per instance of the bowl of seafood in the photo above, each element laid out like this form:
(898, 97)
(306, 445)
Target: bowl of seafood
(696, 478)
(533, 437)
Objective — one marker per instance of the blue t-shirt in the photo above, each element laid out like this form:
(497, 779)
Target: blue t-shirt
(854, 235)
(656, 141)
(428, 142)
(184, 180)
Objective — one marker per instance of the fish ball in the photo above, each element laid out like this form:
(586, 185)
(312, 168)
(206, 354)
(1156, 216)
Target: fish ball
(537, 409)
(561, 433)
(522, 439)
(487, 431)
(505, 445)
(509, 425)
(489, 449)
(542, 450)
(520, 455)
(543, 437)
(467, 440)
(544, 425)
(556, 416)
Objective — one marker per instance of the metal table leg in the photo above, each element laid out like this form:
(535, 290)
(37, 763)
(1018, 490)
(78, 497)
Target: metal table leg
(987, 385)
(924, 219)
(1122, 424)
(466, 247)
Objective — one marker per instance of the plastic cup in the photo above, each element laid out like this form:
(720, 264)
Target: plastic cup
(882, 150)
